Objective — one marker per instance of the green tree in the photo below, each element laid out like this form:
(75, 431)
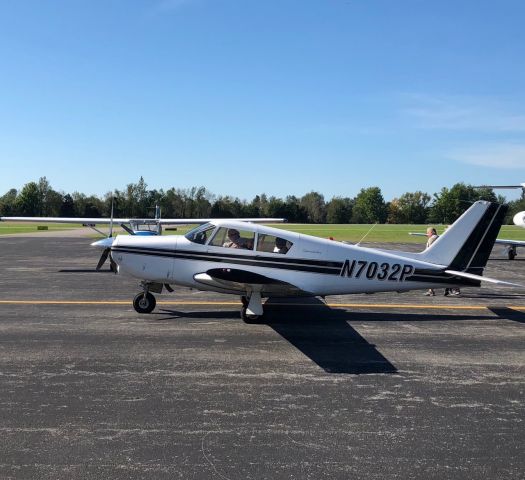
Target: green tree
(29, 201)
(339, 210)
(449, 204)
(409, 208)
(67, 208)
(514, 207)
(8, 205)
(369, 206)
(294, 210)
(276, 208)
(314, 205)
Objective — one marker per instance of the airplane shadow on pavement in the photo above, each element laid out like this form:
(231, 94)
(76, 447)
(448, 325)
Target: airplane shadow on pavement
(506, 313)
(324, 335)
(320, 333)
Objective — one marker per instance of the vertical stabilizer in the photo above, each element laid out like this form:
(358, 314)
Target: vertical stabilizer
(466, 244)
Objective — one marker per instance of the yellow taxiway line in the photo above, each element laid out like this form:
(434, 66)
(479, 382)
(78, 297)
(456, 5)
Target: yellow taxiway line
(236, 304)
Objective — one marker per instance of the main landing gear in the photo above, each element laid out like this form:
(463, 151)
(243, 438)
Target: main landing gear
(512, 253)
(251, 310)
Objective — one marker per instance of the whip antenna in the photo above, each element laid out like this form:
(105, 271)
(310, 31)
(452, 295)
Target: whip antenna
(366, 234)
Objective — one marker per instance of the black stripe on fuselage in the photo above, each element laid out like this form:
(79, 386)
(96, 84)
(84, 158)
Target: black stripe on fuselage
(328, 267)
(313, 266)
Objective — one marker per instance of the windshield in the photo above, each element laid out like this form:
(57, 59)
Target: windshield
(201, 233)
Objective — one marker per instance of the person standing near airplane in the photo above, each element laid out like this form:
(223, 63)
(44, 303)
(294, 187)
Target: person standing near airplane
(432, 237)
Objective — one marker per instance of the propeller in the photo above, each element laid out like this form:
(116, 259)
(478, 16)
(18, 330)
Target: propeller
(106, 244)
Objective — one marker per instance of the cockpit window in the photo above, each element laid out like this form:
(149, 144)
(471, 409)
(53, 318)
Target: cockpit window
(233, 238)
(200, 234)
(273, 244)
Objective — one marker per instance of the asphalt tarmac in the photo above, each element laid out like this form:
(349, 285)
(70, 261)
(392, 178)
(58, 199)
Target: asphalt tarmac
(369, 386)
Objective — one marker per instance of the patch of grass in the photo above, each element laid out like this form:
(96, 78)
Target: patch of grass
(7, 228)
(384, 233)
(378, 234)
(361, 232)
(349, 232)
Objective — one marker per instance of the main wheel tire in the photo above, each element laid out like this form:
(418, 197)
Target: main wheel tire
(247, 318)
(144, 303)
(512, 254)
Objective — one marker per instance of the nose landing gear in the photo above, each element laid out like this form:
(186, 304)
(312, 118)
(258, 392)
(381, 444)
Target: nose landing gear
(144, 302)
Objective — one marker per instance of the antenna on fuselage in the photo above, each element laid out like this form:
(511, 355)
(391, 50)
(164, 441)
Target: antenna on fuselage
(366, 234)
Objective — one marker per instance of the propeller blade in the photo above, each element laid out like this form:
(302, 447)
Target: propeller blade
(112, 264)
(103, 258)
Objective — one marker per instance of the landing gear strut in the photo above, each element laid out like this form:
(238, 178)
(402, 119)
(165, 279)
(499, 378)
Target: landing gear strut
(251, 310)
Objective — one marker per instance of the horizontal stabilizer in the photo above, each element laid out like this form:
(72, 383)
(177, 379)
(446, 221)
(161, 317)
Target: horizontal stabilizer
(480, 278)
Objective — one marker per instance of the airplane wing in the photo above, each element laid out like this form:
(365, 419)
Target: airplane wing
(187, 221)
(90, 221)
(515, 243)
(162, 221)
(241, 281)
(499, 241)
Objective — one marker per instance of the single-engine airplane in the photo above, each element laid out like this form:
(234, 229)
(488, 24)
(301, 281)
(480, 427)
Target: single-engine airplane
(256, 261)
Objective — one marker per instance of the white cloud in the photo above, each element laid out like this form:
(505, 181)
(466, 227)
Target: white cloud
(480, 114)
(507, 156)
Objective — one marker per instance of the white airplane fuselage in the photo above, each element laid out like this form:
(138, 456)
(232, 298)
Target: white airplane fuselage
(314, 265)
(257, 261)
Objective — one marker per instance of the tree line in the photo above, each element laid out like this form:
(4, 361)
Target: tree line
(136, 200)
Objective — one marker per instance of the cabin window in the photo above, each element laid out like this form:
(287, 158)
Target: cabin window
(233, 238)
(273, 244)
(200, 234)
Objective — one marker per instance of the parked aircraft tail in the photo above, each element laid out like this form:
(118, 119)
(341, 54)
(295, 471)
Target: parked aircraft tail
(466, 244)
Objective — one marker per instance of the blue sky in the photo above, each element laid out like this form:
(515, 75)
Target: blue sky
(245, 97)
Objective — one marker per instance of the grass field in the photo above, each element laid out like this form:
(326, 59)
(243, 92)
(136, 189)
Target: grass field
(351, 233)
(29, 227)
(385, 233)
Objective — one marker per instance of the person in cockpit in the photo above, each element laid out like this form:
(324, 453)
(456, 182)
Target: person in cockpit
(280, 245)
(234, 239)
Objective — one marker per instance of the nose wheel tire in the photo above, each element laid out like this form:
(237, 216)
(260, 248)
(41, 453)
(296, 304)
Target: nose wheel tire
(144, 303)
